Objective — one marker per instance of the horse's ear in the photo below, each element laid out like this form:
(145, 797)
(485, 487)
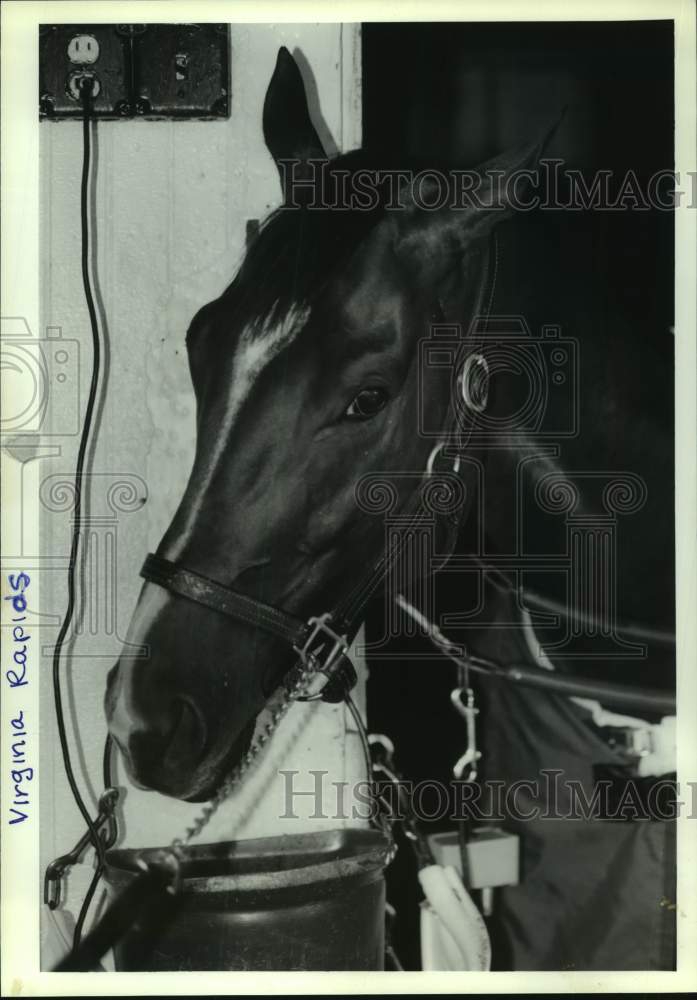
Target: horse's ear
(288, 130)
(473, 203)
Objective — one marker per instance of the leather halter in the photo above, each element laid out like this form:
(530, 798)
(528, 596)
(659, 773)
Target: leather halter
(322, 641)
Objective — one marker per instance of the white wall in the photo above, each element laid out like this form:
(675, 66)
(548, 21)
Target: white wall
(172, 202)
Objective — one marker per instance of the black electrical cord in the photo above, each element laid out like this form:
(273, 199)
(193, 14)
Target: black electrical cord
(106, 761)
(99, 870)
(86, 902)
(362, 732)
(76, 533)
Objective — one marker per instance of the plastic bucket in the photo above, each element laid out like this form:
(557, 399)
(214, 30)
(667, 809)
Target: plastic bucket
(299, 902)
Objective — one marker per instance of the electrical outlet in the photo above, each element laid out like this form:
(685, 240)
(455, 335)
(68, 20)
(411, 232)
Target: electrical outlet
(83, 50)
(59, 71)
(151, 71)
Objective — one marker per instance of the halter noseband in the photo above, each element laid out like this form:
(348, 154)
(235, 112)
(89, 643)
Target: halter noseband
(312, 640)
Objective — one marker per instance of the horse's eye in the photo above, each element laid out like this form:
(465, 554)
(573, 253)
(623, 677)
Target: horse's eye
(367, 403)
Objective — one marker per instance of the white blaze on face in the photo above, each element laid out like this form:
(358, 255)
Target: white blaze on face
(255, 350)
(125, 720)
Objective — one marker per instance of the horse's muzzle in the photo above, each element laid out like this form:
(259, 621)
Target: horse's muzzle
(163, 754)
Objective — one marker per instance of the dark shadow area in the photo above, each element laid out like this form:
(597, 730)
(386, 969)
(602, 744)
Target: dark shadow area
(460, 93)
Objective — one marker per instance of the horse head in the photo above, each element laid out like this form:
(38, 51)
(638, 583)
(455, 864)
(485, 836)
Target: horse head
(306, 377)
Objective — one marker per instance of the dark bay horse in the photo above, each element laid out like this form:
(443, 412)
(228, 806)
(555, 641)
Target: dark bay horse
(306, 375)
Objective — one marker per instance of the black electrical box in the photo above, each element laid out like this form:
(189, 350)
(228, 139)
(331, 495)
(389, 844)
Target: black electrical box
(151, 71)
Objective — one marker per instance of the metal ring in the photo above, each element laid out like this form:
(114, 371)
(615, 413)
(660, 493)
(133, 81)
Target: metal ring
(434, 455)
(474, 382)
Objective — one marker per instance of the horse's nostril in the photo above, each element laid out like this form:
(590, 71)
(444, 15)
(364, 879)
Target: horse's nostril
(110, 692)
(187, 741)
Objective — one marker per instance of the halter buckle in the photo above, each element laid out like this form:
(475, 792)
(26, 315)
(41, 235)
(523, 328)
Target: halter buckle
(324, 650)
(320, 627)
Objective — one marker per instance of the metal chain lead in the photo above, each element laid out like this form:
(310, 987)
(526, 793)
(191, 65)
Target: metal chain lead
(305, 673)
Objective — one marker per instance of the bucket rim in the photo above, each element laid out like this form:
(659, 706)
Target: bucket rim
(266, 863)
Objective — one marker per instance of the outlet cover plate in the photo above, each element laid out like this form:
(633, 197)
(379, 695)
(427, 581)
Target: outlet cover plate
(149, 71)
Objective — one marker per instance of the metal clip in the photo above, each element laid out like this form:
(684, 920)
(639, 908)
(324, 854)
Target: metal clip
(57, 869)
(471, 755)
(381, 752)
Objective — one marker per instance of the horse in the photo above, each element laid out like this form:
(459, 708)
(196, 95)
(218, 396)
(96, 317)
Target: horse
(309, 384)
(307, 381)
